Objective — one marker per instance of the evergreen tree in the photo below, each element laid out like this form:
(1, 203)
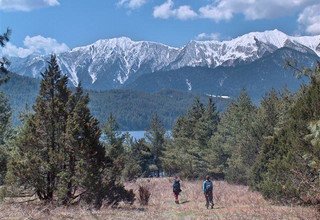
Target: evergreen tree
(188, 152)
(183, 156)
(41, 144)
(138, 159)
(206, 126)
(233, 147)
(5, 112)
(5, 115)
(4, 62)
(115, 162)
(288, 162)
(272, 113)
(84, 155)
(155, 135)
(58, 153)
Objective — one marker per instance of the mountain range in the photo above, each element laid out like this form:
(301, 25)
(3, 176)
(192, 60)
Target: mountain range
(135, 79)
(120, 62)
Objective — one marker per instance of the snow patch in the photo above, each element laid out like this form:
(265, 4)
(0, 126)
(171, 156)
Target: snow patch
(189, 85)
(219, 96)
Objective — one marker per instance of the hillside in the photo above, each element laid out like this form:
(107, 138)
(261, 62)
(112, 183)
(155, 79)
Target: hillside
(257, 77)
(231, 202)
(133, 109)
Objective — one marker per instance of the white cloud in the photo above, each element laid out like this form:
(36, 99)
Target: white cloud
(26, 5)
(309, 19)
(37, 44)
(211, 36)
(163, 11)
(132, 4)
(185, 12)
(252, 9)
(167, 10)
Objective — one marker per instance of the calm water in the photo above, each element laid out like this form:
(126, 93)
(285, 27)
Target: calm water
(136, 134)
(140, 134)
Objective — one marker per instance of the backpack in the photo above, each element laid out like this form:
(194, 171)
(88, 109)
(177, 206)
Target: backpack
(209, 186)
(176, 186)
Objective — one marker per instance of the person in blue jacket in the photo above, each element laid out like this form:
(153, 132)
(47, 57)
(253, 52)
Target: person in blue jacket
(207, 188)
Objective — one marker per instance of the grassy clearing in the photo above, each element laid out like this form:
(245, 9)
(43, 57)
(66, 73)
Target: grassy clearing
(231, 202)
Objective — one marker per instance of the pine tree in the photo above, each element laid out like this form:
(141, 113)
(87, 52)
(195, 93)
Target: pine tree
(4, 62)
(84, 155)
(184, 156)
(5, 112)
(138, 159)
(206, 126)
(288, 161)
(115, 162)
(5, 115)
(272, 112)
(41, 145)
(188, 152)
(155, 135)
(233, 148)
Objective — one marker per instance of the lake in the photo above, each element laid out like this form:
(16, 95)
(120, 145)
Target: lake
(140, 134)
(136, 134)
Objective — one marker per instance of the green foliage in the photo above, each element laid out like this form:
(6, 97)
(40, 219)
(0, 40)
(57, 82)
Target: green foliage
(233, 147)
(40, 143)
(115, 165)
(155, 136)
(4, 62)
(5, 112)
(57, 152)
(5, 115)
(288, 164)
(187, 152)
(138, 159)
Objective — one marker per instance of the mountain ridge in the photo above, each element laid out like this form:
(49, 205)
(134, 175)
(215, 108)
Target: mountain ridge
(112, 63)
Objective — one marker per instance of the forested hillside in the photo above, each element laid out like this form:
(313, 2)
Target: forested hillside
(133, 109)
(257, 77)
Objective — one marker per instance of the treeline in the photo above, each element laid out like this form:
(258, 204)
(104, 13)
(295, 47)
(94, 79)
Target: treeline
(132, 109)
(273, 148)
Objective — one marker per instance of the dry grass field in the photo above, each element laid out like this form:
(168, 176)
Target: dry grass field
(231, 202)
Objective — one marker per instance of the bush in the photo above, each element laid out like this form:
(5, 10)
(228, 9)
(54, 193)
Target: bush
(144, 195)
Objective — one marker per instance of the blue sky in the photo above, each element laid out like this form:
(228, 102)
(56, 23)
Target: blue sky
(56, 25)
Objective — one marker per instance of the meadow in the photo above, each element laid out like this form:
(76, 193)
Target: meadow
(231, 202)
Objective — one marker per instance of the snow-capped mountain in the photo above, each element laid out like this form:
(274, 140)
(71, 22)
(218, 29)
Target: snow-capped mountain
(246, 48)
(106, 62)
(112, 63)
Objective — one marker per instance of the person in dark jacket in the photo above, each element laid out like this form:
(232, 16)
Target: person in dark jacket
(176, 189)
(207, 188)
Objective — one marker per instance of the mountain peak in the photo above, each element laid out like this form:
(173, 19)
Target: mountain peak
(109, 63)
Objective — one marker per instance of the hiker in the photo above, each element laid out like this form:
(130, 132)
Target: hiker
(176, 189)
(207, 188)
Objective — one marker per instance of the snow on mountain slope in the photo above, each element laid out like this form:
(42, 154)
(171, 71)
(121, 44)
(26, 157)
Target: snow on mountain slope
(110, 63)
(246, 48)
(115, 59)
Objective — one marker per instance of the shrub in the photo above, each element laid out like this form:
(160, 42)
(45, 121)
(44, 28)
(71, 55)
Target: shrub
(144, 195)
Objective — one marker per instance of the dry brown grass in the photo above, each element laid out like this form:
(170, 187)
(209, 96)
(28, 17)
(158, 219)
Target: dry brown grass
(231, 202)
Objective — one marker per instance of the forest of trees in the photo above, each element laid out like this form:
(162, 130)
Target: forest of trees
(273, 148)
(61, 154)
(132, 109)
